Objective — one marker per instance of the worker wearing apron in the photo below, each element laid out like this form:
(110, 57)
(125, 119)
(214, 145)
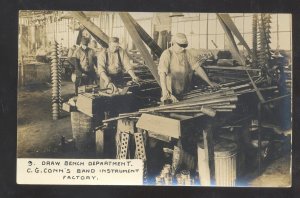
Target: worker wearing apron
(112, 63)
(176, 68)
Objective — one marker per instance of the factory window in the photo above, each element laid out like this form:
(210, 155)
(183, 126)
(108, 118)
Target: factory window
(195, 27)
(212, 16)
(212, 26)
(203, 27)
(200, 29)
(203, 41)
(208, 27)
(280, 29)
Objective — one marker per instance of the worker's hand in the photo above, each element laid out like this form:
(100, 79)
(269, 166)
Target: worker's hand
(214, 85)
(165, 96)
(106, 82)
(113, 88)
(136, 79)
(173, 98)
(168, 96)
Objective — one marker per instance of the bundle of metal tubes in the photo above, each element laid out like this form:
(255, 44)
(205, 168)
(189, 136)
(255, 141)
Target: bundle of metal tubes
(226, 75)
(205, 101)
(200, 103)
(209, 101)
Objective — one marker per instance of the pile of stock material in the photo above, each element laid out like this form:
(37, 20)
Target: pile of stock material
(208, 101)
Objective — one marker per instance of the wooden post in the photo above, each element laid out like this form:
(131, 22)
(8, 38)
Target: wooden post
(80, 16)
(226, 18)
(234, 49)
(140, 45)
(207, 158)
(100, 142)
(152, 44)
(232, 45)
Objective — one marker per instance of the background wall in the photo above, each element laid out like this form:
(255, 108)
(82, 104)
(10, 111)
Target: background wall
(200, 28)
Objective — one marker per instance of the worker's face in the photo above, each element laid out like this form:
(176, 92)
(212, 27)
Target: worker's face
(113, 46)
(179, 47)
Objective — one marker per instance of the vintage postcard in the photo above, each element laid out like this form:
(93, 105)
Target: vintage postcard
(154, 98)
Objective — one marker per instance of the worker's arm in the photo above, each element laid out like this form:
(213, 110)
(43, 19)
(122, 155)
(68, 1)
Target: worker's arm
(165, 93)
(196, 66)
(127, 66)
(95, 60)
(107, 81)
(105, 78)
(101, 61)
(133, 76)
(201, 73)
(163, 70)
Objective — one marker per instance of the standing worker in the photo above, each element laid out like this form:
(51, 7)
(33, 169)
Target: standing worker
(84, 65)
(176, 68)
(112, 63)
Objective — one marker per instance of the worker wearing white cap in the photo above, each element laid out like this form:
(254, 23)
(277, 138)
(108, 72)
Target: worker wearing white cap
(176, 68)
(112, 63)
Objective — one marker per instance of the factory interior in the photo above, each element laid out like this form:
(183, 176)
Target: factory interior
(232, 129)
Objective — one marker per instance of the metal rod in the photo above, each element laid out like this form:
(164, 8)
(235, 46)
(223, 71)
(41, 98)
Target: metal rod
(127, 114)
(232, 106)
(225, 99)
(278, 98)
(208, 95)
(213, 106)
(252, 90)
(116, 118)
(207, 111)
(224, 110)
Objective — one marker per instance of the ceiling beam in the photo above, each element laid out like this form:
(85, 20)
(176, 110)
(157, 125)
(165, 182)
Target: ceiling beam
(139, 43)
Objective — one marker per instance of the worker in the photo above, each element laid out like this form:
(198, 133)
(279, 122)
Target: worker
(84, 65)
(112, 63)
(94, 46)
(72, 51)
(83, 33)
(176, 68)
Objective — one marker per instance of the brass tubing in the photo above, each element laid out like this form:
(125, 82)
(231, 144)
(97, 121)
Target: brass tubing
(176, 105)
(207, 111)
(209, 96)
(215, 105)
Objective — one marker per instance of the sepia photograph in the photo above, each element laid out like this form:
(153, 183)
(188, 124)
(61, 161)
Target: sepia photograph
(154, 98)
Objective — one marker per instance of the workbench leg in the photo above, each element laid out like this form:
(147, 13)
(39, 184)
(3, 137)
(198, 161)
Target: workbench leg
(122, 145)
(209, 152)
(207, 163)
(100, 142)
(140, 152)
(176, 159)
